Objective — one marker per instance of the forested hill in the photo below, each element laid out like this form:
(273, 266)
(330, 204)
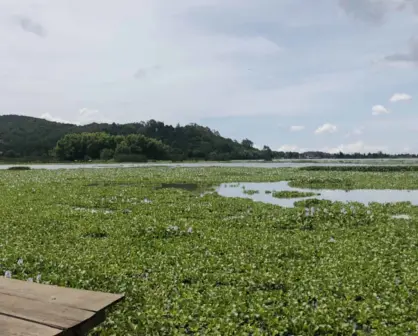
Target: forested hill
(29, 137)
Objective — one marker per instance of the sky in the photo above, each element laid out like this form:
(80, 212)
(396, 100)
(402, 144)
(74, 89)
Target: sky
(331, 75)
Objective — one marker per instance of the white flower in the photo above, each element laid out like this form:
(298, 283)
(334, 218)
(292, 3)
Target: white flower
(38, 278)
(30, 280)
(20, 262)
(332, 240)
(190, 230)
(8, 274)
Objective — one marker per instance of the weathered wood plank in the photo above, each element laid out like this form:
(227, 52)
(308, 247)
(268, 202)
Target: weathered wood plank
(86, 326)
(76, 298)
(10, 326)
(45, 313)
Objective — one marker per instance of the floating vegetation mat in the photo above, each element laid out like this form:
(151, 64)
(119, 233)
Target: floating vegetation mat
(194, 263)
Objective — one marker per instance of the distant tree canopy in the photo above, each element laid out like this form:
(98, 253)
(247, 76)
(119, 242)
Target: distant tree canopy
(267, 153)
(94, 146)
(247, 144)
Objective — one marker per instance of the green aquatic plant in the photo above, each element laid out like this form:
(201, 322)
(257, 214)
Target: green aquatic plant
(208, 265)
(251, 192)
(363, 168)
(19, 168)
(293, 194)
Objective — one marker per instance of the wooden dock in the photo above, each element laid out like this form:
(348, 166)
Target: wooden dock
(32, 309)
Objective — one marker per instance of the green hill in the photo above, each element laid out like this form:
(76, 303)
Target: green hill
(35, 138)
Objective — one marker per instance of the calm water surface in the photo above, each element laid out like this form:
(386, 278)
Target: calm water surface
(184, 165)
(364, 196)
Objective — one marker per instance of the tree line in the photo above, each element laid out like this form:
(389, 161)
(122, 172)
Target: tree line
(131, 147)
(35, 139)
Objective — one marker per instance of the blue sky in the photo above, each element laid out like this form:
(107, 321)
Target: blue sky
(292, 74)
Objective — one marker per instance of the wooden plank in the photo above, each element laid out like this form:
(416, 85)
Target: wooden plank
(45, 313)
(10, 326)
(76, 298)
(86, 326)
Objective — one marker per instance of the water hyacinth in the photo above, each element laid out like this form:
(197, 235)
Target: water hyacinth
(30, 280)
(265, 271)
(309, 212)
(20, 262)
(8, 274)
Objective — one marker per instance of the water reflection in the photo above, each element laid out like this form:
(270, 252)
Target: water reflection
(364, 196)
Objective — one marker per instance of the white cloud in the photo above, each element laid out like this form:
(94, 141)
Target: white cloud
(49, 117)
(356, 147)
(326, 128)
(83, 117)
(297, 128)
(289, 148)
(379, 109)
(397, 97)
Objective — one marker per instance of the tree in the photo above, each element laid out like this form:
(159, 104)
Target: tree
(248, 144)
(106, 154)
(11, 154)
(267, 153)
